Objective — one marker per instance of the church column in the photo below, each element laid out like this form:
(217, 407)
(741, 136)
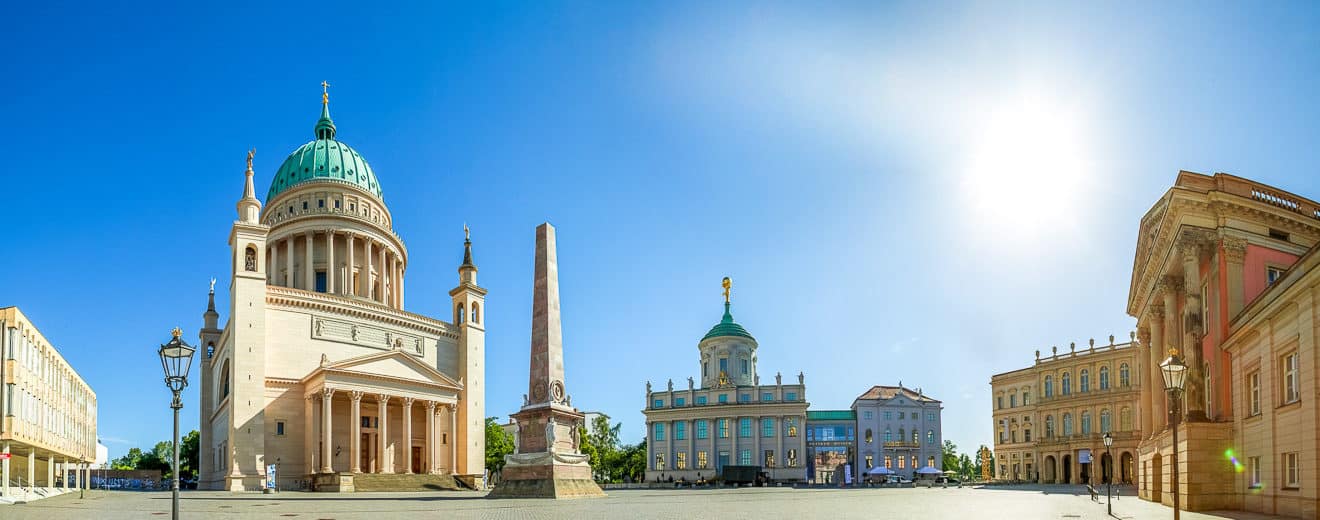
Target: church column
(309, 269)
(733, 441)
(272, 271)
(407, 435)
(288, 261)
(453, 439)
(385, 464)
(1158, 349)
(394, 280)
(780, 456)
(1194, 329)
(32, 467)
(64, 472)
(330, 270)
(350, 288)
(309, 440)
(757, 455)
(368, 270)
(1172, 286)
(356, 441)
(380, 294)
(428, 446)
(327, 397)
(1148, 393)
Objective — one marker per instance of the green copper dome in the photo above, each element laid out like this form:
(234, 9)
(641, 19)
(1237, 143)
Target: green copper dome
(324, 159)
(726, 327)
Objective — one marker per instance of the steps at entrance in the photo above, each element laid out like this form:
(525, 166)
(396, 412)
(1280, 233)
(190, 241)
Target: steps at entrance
(403, 482)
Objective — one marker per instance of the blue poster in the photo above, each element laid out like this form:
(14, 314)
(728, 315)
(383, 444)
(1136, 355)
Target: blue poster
(270, 476)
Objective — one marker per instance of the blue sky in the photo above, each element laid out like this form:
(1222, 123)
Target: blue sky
(924, 191)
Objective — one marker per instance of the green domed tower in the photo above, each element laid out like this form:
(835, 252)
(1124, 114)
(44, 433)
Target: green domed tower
(324, 159)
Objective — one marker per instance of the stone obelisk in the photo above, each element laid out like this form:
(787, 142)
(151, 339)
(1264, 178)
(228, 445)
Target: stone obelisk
(547, 462)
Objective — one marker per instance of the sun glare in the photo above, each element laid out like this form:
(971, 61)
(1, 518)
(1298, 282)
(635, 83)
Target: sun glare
(1024, 169)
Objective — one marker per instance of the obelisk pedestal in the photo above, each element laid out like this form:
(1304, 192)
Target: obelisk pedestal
(548, 462)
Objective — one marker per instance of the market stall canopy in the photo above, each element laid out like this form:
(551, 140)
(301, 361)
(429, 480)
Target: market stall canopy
(879, 470)
(928, 470)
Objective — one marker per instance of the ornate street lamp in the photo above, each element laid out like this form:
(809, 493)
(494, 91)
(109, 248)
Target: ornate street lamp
(1175, 376)
(176, 359)
(1109, 474)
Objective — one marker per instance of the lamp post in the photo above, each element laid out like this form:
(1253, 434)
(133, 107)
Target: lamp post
(1175, 376)
(176, 359)
(1109, 474)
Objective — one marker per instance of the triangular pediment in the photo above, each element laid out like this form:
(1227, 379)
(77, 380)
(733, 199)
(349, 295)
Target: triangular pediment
(394, 364)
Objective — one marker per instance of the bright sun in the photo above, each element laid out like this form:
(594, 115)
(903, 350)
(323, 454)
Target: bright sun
(1025, 169)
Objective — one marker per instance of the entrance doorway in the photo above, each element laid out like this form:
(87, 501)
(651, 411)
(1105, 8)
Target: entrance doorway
(417, 460)
(720, 462)
(1067, 469)
(1051, 473)
(1125, 468)
(1157, 479)
(364, 452)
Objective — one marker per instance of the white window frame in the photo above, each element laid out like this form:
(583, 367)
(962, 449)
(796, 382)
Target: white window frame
(1253, 393)
(1253, 472)
(1292, 471)
(1291, 391)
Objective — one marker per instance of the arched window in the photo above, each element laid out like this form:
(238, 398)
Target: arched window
(1066, 382)
(889, 436)
(1125, 419)
(1124, 375)
(210, 350)
(476, 312)
(868, 435)
(1104, 421)
(224, 382)
(1104, 378)
(250, 259)
(1049, 426)
(1084, 380)
(1086, 423)
(1067, 424)
(458, 315)
(1049, 386)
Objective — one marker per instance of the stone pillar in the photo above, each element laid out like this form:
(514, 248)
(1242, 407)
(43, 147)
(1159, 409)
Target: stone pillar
(380, 293)
(309, 268)
(400, 285)
(369, 272)
(780, 457)
(288, 262)
(1235, 253)
(272, 273)
(64, 472)
(356, 441)
(327, 397)
(330, 271)
(407, 434)
(32, 468)
(4, 471)
(757, 455)
(453, 438)
(734, 459)
(1172, 286)
(386, 463)
(1158, 351)
(309, 439)
(350, 287)
(50, 470)
(429, 445)
(1194, 328)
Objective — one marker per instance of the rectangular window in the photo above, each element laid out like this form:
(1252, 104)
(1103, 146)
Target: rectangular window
(659, 432)
(702, 429)
(1272, 274)
(744, 398)
(320, 281)
(1012, 401)
(1290, 389)
(889, 416)
(1026, 435)
(745, 457)
(745, 427)
(790, 396)
(279, 428)
(680, 460)
(724, 398)
(723, 425)
(767, 396)
(658, 403)
(889, 462)
(769, 458)
(902, 462)
(724, 366)
(767, 427)
(1253, 472)
(680, 431)
(701, 460)
(744, 366)
(320, 203)
(366, 422)
(866, 415)
(1292, 475)
(1026, 401)
(701, 400)
(680, 401)
(999, 404)
(659, 462)
(336, 204)
(1253, 393)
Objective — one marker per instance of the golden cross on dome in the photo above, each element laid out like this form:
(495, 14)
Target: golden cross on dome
(726, 283)
(325, 93)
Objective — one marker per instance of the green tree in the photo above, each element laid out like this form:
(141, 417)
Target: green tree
(189, 453)
(593, 453)
(498, 444)
(950, 458)
(965, 466)
(129, 461)
(630, 462)
(603, 443)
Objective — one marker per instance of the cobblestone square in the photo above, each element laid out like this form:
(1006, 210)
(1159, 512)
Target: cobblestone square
(1020, 503)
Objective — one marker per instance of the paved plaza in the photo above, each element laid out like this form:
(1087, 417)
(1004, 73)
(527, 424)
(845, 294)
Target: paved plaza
(1019, 503)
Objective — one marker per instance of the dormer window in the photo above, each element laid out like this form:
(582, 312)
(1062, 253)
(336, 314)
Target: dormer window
(1273, 274)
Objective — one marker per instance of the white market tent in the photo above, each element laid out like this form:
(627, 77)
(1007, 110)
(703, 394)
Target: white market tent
(929, 470)
(879, 470)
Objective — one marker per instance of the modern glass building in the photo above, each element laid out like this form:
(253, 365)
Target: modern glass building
(831, 445)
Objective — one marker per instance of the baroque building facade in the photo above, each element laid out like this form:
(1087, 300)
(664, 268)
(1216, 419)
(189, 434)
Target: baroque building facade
(899, 429)
(47, 414)
(730, 419)
(1224, 274)
(319, 368)
(1050, 418)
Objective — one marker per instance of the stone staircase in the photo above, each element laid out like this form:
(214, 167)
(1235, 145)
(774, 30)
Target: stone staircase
(363, 482)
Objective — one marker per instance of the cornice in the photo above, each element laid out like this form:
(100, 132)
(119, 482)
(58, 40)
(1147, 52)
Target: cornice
(331, 304)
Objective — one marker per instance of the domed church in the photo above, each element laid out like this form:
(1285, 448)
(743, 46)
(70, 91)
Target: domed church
(320, 371)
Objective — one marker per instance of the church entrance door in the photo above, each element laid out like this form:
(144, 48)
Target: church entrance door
(417, 460)
(364, 455)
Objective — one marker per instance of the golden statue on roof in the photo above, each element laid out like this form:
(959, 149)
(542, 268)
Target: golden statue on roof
(325, 93)
(726, 283)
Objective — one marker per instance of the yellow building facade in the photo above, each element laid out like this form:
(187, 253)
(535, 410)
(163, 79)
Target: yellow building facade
(47, 414)
(1050, 418)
